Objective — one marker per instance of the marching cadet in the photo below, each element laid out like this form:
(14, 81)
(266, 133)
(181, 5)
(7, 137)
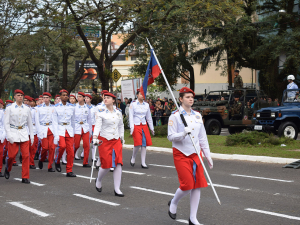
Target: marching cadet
(187, 163)
(139, 116)
(83, 127)
(57, 99)
(15, 120)
(41, 100)
(72, 99)
(64, 124)
(33, 147)
(46, 131)
(109, 124)
(2, 135)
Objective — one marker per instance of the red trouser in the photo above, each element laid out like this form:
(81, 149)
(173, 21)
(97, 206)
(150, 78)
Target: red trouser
(48, 145)
(12, 153)
(86, 144)
(1, 154)
(91, 138)
(6, 150)
(66, 143)
(33, 149)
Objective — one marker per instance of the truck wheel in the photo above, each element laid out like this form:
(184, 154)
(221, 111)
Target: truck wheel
(213, 127)
(288, 129)
(235, 130)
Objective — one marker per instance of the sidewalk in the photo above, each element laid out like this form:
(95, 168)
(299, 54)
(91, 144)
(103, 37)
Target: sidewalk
(265, 159)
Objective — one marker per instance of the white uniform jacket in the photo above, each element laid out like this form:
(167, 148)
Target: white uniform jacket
(184, 143)
(2, 130)
(15, 120)
(93, 111)
(140, 113)
(109, 124)
(63, 119)
(33, 115)
(43, 120)
(83, 119)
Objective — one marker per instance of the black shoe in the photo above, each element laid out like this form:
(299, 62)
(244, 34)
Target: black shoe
(40, 164)
(25, 181)
(57, 167)
(119, 195)
(1, 175)
(64, 163)
(20, 158)
(98, 189)
(144, 167)
(77, 158)
(131, 164)
(36, 156)
(190, 222)
(32, 167)
(15, 164)
(71, 174)
(81, 157)
(51, 170)
(87, 165)
(6, 174)
(97, 167)
(172, 215)
(112, 169)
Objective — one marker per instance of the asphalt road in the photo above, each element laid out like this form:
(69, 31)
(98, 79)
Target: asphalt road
(251, 193)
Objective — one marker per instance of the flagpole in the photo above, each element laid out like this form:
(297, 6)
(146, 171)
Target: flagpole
(184, 122)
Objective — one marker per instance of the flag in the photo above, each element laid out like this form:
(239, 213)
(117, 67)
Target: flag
(11, 95)
(152, 72)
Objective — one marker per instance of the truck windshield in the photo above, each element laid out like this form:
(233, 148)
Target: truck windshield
(218, 96)
(291, 96)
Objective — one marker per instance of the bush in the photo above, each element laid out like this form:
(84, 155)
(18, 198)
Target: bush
(256, 138)
(161, 131)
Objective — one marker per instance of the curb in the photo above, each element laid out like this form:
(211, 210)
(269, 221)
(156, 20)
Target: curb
(252, 158)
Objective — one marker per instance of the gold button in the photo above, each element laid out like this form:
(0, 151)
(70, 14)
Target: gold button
(191, 121)
(193, 137)
(193, 129)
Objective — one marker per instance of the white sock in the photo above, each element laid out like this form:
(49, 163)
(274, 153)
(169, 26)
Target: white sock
(82, 153)
(143, 156)
(101, 174)
(194, 203)
(76, 154)
(178, 195)
(93, 154)
(134, 152)
(64, 157)
(117, 178)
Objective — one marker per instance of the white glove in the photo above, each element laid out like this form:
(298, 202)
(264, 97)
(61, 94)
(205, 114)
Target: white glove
(131, 131)
(31, 141)
(56, 140)
(186, 131)
(122, 140)
(95, 141)
(153, 132)
(210, 163)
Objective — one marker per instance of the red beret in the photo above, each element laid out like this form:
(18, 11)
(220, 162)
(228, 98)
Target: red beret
(138, 90)
(9, 101)
(40, 96)
(81, 93)
(27, 97)
(63, 90)
(47, 94)
(186, 90)
(73, 96)
(37, 99)
(31, 99)
(87, 95)
(104, 91)
(57, 96)
(1, 102)
(109, 94)
(18, 91)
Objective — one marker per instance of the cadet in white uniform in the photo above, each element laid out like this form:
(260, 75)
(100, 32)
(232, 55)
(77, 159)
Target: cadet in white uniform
(189, 169)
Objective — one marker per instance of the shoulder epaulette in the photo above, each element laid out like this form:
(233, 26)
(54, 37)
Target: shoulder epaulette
(133, 101)
(56, 104)
(119, 109)
(101, 110)
(175, 111)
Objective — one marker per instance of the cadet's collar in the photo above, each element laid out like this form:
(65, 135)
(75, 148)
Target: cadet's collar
(185, 113)
(22, 106)
(107, 111)
(81, 106)
(44, 105)
(138, 103)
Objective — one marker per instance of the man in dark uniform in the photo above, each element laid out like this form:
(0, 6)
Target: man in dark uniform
(238, 80)
(237, 106)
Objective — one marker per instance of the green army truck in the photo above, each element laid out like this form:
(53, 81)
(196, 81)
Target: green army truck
(217, 114)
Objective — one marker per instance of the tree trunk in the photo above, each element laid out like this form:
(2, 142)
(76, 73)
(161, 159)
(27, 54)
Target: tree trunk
(65, 69)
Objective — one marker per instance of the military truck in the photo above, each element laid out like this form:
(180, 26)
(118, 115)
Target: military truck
(216, 108)
(282, 120)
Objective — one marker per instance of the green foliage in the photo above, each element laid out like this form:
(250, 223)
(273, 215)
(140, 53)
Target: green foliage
(256, 139)
(161, 131)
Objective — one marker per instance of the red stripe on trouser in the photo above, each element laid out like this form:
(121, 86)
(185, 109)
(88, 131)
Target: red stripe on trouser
(1, 154)
(12, 153)
(86, 144)
(66, 143)
(48, 145)
(33, 149)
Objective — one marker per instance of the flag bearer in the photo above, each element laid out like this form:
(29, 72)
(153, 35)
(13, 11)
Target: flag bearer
(139, 116)
(17, 116)
(187, 163)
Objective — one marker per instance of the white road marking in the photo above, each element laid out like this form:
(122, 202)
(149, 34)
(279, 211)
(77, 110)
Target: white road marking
(97, 200)
(29, 209)
(224, 186)
(162, 166)
(154, 191)
(80, 176)
(77, 164)
(263, 178)
(34, 183)
(137, 173)
(273, 214)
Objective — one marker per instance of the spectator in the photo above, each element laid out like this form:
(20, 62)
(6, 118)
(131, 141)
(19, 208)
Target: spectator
(121, 106)
(152, 108)
(127, 108)
(158, 112)
(126, 100)
(167, 113)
